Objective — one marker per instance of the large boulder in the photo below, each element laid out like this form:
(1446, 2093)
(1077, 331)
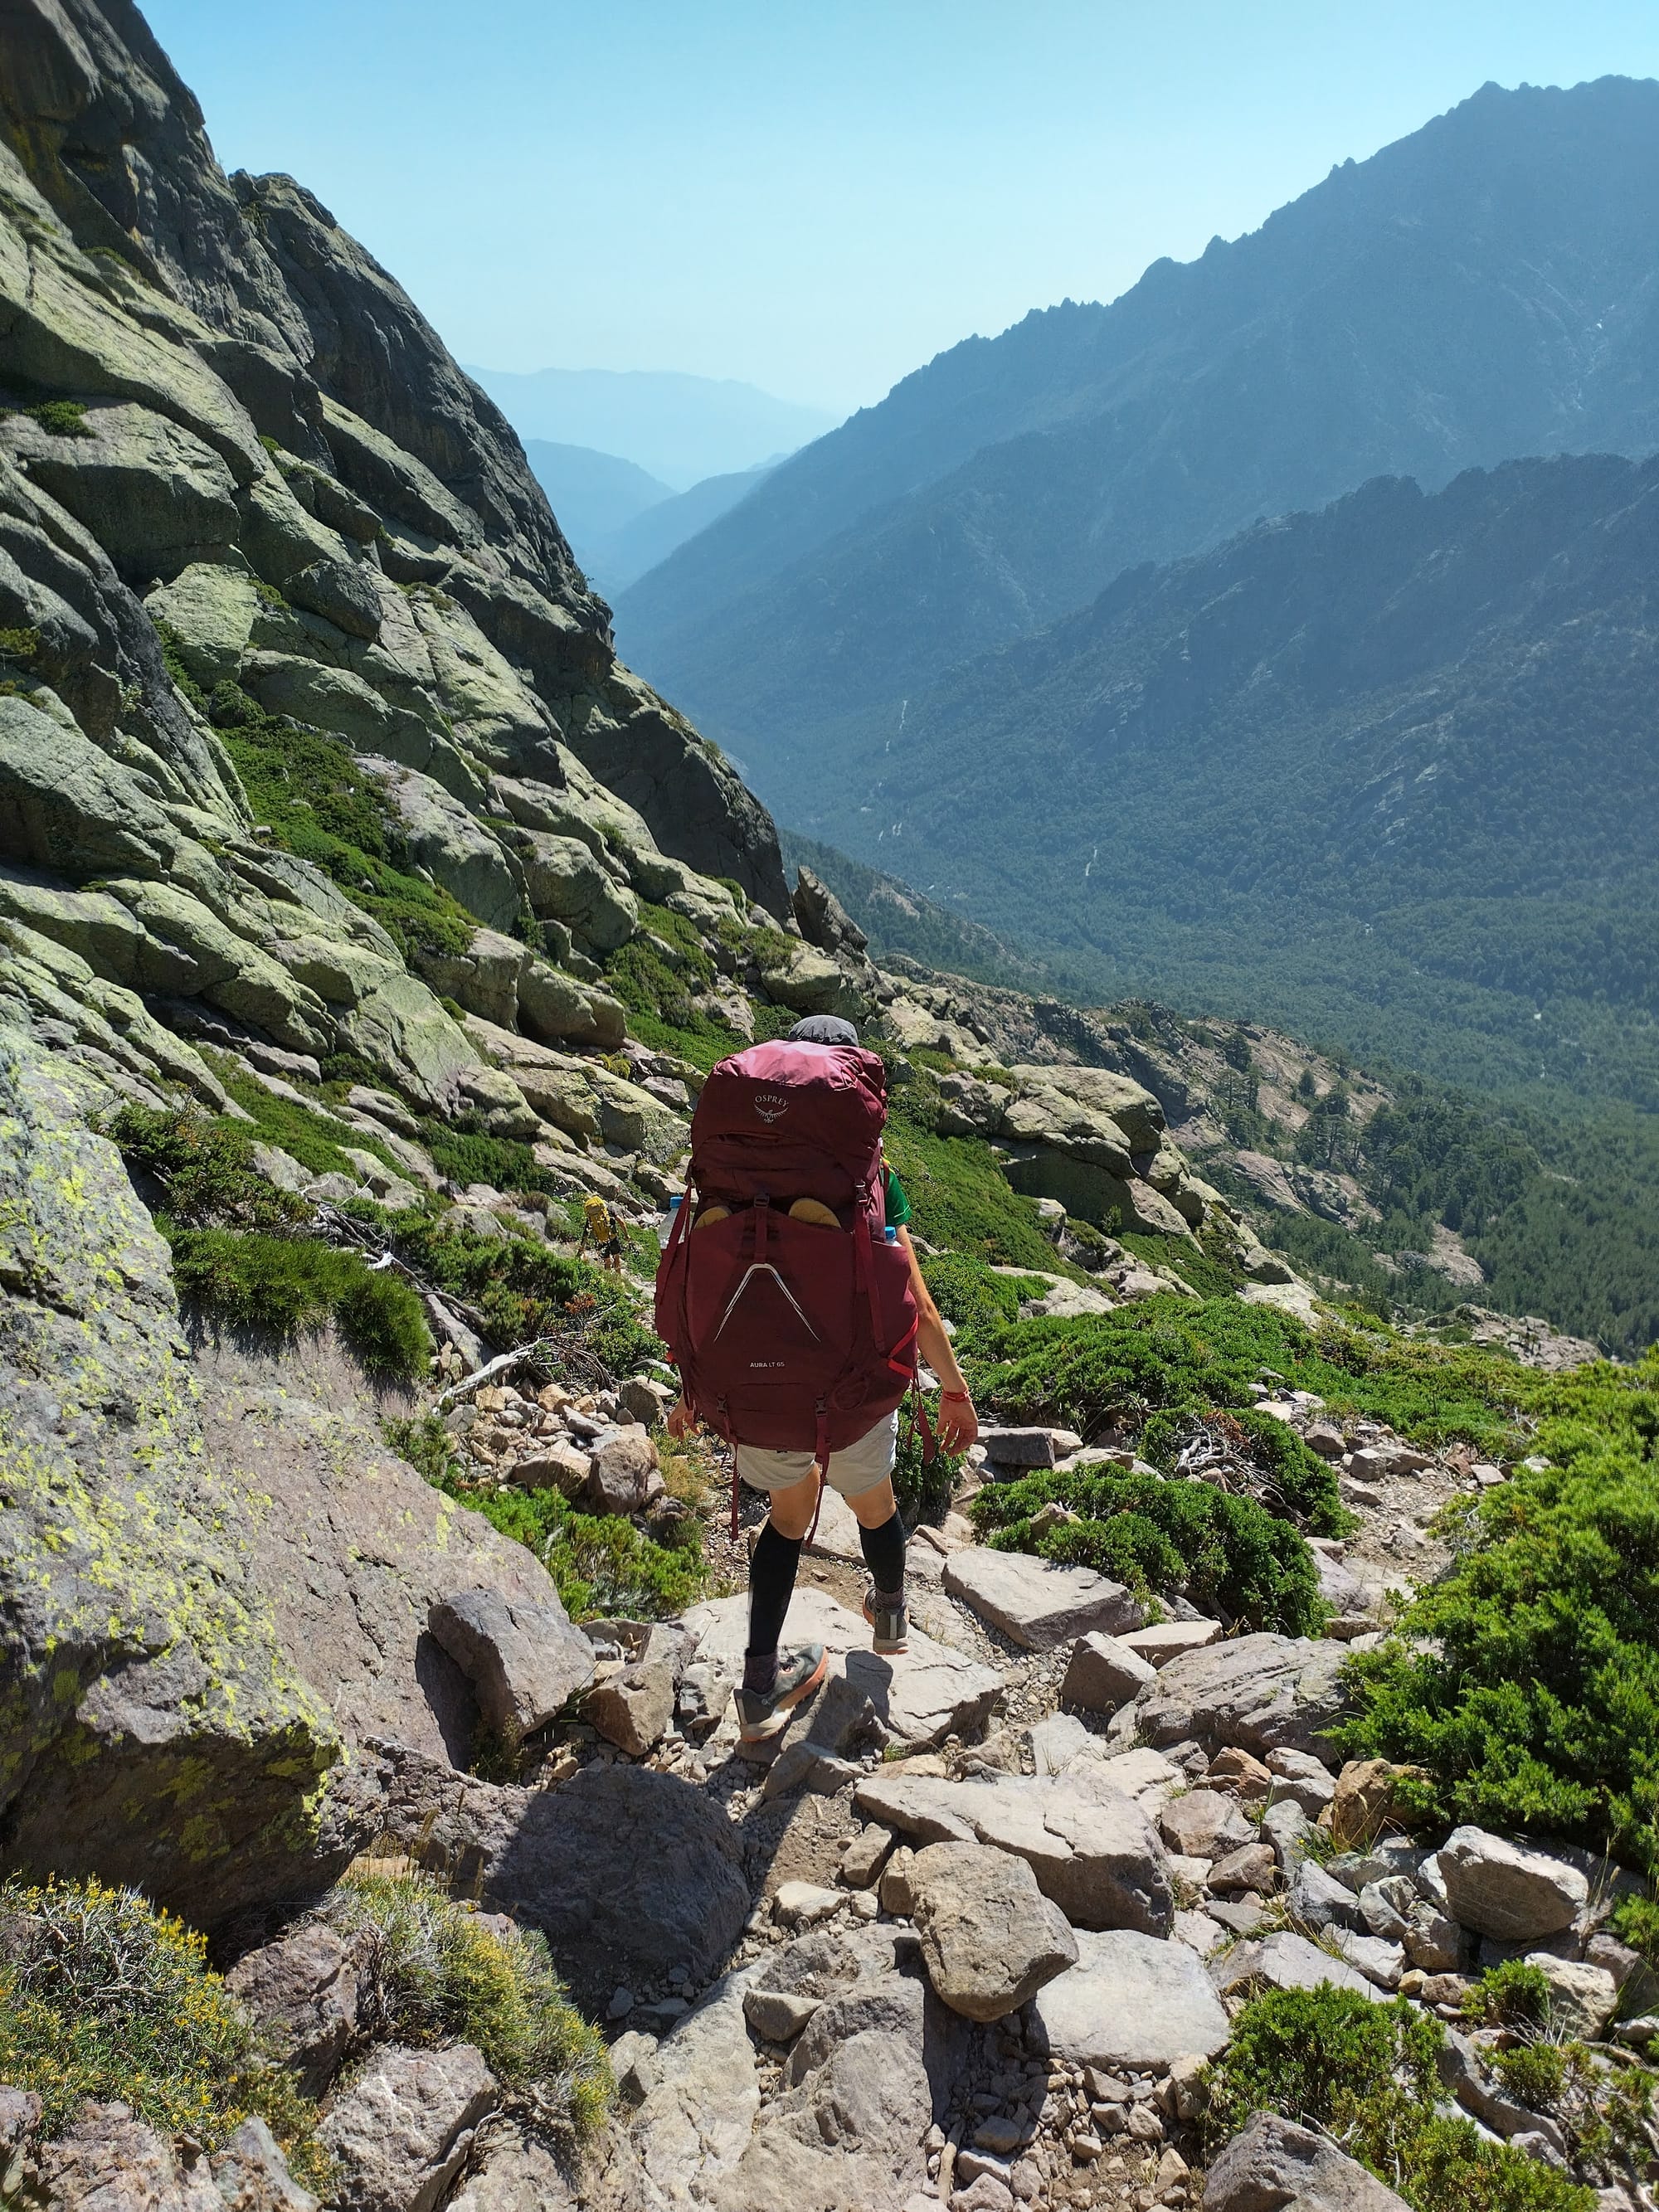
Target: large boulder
(1090, 1845)
(1261, 1693)
(1284, 1960)
(352, 1551)
(989, 1938)
(1508, 1890)
(1036, 1603)
(401, 2130)
(523, 1658)
(624, 1869)
(1272, 2162)
(302, 1988)
(154, 1729)
(1130, 2001)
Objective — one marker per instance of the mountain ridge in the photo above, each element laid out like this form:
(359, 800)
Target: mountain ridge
(1381, 323)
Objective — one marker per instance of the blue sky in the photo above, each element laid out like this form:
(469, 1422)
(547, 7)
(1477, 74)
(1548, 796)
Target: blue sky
(817, 196)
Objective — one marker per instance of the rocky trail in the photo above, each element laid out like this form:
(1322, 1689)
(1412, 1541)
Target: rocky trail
(372, 1833)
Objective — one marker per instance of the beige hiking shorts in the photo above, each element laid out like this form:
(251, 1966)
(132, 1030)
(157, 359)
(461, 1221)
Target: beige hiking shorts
(852, 1471)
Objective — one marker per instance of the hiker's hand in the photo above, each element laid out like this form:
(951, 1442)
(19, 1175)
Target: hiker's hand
(680, 1421)
(958, 1425)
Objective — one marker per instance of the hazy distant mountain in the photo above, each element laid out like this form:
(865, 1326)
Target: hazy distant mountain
(1487, 287)
(592, 494)
(681, 428)
(1389, 767)
(626, 552)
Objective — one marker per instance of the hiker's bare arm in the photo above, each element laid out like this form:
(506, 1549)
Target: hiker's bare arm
(958, 1424)
(681, 1419)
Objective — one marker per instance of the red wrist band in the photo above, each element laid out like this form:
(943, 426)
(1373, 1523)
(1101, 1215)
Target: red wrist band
(955, 1397)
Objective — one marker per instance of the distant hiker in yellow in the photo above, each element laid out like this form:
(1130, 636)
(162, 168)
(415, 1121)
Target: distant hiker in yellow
(601, 1228)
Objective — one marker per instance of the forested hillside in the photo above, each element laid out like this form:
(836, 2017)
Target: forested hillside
(1381, 774)
(1480, 290)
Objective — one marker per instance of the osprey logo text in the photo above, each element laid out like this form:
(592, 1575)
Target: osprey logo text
(769, 1104)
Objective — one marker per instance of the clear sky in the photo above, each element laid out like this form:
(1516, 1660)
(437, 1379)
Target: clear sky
(816, 196)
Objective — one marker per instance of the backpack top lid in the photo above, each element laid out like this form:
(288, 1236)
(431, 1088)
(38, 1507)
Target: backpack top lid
(772, 1119)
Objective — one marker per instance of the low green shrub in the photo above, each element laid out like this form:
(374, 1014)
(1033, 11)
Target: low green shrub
(1209, 1269)
(1219, 1552)
(206, 1168)
(465, 1156)
(923, 1488)
(524, 1290)
(601, 1564)
(1512, 1995)
(1298, 1483)
(102, 1996)
(978, 1302)
(960, 1198)
(1193, 1355)
(433, 1971)
(285, 1285)
(61, 418)
(314, 1139)
(1365, 2074)
(1525, 1682)
(19, 644)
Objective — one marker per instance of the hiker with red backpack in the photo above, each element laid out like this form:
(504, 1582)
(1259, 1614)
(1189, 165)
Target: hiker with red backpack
(792, 1303)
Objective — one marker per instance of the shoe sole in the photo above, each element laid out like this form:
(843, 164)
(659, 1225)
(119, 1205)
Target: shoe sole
(884, 1650)
(778, 1719)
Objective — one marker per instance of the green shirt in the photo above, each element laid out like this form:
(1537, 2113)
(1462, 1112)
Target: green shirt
(898, 1206)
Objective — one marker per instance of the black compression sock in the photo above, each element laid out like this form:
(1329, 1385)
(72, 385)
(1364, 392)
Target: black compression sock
(771, 1585)
(883, 1554)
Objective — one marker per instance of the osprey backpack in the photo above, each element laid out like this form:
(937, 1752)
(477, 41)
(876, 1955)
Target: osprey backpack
(789, 1317)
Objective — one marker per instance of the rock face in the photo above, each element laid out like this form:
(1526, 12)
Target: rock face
(1273, 2163)
(279, 325)
(1263, 1692)
(401, 2130)
(106, 2158)
(153, 1729)
(989, 1938)
(1036, 1603)
(352, 1552)
(1507, 1890)
(1130, 2001)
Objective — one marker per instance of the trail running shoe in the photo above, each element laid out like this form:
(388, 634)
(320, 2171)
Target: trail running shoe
(890, 1622)
(762, 1717)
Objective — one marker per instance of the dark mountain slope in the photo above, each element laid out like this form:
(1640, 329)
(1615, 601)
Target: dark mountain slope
(1388, 766)
(1482, 288)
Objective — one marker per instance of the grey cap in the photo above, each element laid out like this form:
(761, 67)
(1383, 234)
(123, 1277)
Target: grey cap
(824, 1029)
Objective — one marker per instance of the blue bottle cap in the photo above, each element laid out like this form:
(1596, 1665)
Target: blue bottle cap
(890, 1235)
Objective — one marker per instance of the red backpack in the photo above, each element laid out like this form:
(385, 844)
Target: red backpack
(789, 1335)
